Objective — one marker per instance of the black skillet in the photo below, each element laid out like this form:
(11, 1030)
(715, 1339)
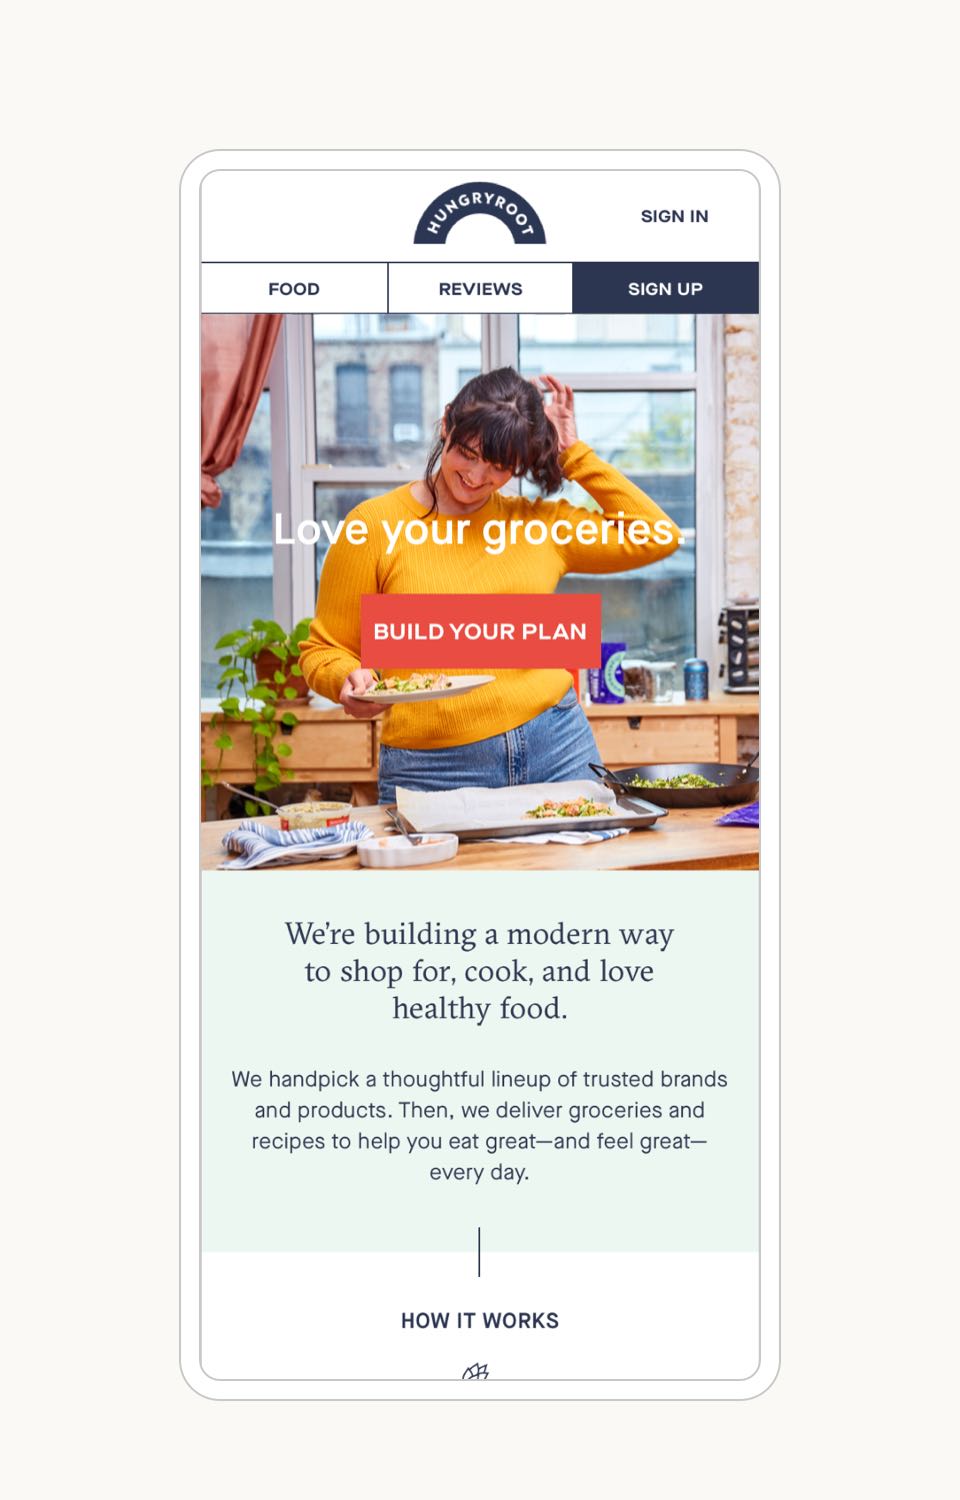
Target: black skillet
(734, 783)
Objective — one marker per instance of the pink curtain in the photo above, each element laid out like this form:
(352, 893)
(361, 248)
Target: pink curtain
(235, 354)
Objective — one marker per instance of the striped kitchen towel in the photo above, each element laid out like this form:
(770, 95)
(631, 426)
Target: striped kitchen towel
(258, 844)
(563, 836)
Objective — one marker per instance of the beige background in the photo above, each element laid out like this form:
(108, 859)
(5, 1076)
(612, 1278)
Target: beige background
(108, 104)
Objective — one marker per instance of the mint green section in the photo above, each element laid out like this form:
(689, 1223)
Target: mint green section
(699, 1013)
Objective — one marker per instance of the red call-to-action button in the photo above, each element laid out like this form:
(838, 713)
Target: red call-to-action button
(456, 631)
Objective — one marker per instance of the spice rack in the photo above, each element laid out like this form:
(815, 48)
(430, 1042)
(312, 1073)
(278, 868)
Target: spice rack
(740, 633)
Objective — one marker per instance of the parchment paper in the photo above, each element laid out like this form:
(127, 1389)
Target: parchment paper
(475, 807)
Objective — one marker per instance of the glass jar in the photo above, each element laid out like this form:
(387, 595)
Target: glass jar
(646, 681)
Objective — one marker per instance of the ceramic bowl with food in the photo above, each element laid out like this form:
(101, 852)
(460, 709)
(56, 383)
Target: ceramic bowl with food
(395, 851)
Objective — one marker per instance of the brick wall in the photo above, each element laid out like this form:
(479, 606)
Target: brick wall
(377, 357)
(741, 454)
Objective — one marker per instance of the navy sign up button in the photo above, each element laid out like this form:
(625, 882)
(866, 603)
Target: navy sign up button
(720, 286)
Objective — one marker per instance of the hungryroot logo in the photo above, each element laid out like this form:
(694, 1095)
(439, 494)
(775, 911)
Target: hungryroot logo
(491, 198)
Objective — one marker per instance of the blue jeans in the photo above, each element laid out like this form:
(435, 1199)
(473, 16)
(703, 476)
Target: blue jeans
(557, 745)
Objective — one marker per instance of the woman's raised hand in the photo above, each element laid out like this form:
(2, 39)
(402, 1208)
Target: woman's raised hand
(559, 408)
(360, 681)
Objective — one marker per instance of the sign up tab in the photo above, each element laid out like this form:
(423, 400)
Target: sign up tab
(483, 286)
(666, 286)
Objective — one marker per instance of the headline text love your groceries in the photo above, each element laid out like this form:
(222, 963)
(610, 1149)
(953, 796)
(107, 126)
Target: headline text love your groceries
(498, 534)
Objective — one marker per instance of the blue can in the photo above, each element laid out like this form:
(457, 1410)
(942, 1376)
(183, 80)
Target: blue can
(605, 683)
(696, 679)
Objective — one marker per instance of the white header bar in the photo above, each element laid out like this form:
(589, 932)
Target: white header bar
(305, 212)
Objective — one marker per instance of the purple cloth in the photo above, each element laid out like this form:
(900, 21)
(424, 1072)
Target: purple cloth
(747, 816)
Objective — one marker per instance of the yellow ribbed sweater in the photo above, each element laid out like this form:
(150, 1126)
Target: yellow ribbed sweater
(332, 650)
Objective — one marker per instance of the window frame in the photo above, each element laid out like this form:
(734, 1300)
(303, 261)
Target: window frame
(296, 471)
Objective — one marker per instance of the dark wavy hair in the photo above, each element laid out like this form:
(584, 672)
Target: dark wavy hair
(502, 416)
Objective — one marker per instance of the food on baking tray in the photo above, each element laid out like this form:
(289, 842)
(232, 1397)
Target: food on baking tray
(419, 682)
(688, 779)
(580, 807)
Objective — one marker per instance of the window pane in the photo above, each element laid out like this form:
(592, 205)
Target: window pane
(352, 416)
(649, 436)
(382, 381)
(406, 403)
(607, 343)
(652, 610)
(236, 547)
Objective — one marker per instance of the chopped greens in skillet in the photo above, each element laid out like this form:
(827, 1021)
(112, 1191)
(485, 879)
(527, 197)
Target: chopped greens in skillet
(688, 779)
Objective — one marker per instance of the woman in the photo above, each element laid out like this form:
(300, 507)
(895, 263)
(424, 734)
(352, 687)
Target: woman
(526, 725)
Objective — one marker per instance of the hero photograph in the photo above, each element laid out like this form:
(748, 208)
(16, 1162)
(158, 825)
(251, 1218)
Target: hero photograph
(353, 457)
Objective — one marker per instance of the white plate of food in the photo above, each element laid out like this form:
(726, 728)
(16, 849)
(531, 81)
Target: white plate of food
(420, 687)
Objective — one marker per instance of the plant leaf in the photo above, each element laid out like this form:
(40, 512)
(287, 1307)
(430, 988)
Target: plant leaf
(223, 742)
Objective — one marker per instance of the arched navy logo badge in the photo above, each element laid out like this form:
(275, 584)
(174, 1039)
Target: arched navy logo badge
(457, 203)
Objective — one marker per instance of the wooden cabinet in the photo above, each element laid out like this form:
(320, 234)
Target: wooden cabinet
(327, 746)
(631, 734)
(319, 749)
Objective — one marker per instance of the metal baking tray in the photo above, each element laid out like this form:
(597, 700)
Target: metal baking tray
(633, 812)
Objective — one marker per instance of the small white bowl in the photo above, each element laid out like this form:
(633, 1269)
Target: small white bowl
(393, 851)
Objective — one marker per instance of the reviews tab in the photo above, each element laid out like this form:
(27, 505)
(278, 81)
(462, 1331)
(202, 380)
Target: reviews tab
(480, 287)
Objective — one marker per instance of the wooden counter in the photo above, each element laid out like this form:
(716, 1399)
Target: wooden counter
(327, 746)
(680, 841)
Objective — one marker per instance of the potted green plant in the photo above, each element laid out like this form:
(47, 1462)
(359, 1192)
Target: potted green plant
(277, 661)
(260, 678)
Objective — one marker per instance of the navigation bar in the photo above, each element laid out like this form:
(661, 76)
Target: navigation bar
(482, 286)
